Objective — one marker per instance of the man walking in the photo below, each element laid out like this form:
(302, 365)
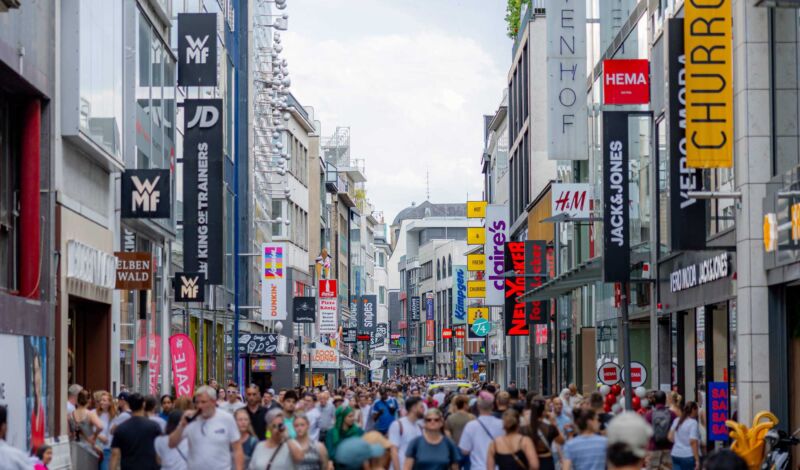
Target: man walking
(72, 397)
(132, 445)
(212, 434)
(660, 418)
(384, 411)
(405, 430)
(327, 414)
(256, 411)
(233, 402)
(480, 432)
(11, 458)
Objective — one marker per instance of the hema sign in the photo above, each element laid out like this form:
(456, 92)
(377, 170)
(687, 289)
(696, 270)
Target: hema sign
(626, 81)
(197, 49)
(145, 194)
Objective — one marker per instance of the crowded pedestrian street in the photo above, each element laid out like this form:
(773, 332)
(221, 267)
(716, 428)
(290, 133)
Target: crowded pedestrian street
(399, 235)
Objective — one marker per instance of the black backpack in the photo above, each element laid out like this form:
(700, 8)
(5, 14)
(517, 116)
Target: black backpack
(662, 422)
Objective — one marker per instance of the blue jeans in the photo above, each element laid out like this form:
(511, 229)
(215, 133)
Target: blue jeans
(683, 463)
(106, 459)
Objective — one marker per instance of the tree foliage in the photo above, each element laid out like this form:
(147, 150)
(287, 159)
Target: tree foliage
(513, 9)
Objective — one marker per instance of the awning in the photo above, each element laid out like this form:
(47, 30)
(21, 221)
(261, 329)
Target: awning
(581, 275)
(354, 361)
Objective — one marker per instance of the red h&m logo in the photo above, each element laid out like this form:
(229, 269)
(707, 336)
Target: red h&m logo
(626, 81)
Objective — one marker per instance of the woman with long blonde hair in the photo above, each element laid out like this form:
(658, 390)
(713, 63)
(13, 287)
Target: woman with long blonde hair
(105, 411)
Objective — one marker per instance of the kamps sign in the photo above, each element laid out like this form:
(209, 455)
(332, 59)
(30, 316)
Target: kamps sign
(197, 49)
(459, 295)
(145, 194)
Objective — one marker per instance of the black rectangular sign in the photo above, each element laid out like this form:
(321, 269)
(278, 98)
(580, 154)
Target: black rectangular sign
(305, 310)
(616, 211)
(202, 189)
(379, 338)
(145, 194)
(189, 287)
(368, 310)
(414, 310)
(687, 215)
(197, 49)
(535, 275)
(349, 335)
(256, 343)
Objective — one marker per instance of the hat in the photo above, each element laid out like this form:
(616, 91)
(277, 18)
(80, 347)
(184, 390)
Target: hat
(632, 430)
(123, 396)
(353, 452)
(271, 391)
(374, 437)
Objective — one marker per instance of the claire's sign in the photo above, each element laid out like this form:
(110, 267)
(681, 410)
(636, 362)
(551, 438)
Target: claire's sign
(496, 238)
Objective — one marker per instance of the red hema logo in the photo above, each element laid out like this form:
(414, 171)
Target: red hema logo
(626, 81)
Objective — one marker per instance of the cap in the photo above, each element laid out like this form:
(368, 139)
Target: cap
(271, 391)
(374, 437)
(123, 396)
(354, 451)
(632, 430)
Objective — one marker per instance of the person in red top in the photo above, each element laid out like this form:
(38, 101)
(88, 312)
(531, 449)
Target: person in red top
(37, 414)
(660, 418)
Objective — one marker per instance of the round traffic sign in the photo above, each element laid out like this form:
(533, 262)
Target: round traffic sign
(481, 327)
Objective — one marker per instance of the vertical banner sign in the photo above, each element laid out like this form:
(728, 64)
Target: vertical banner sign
(369, 319)
(273, 281)
(538, 311)
(566, 80)
(478, 322)
(516, 323)
(197, 49)
(718, 408)
(184, 364)
(616, 227)
(145, 194)
(686, 214)
(459, 301)
(709, 84)
(415, 309)
(328, 307)
(496, 238)
(430, 334)
(202, 189)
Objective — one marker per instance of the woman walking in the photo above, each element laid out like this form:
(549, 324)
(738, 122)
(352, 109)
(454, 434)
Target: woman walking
(685, 435)
(84, 425)
(512, 451)
(172, 459)
(247, 435)
(274, 453)
(344, 428)
(166, 407)
(106, 411)
(308, 454)
(543, 431)
(432, 450)
(587, 451)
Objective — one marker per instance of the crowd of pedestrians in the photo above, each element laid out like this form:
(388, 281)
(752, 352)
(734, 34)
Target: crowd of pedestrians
(406, 424)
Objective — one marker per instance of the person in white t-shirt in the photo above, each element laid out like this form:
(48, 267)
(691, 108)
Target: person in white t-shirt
(212, 434)
(685, 435)
(479, 433)
(233, 401)
(404, 430)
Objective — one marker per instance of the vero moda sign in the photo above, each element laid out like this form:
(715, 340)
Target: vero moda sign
(626, 81)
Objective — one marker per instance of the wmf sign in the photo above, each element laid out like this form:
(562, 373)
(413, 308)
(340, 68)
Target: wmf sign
(189, 287)
(197, 49)
(145, 194)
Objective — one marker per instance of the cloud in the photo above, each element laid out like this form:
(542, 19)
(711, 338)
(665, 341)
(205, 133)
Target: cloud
(414, 101)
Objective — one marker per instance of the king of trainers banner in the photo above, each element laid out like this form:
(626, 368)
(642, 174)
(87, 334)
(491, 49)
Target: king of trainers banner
(616, 226)
(202, 189)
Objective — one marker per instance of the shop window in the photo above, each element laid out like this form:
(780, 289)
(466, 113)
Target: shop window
(785, 85)
(9, 186)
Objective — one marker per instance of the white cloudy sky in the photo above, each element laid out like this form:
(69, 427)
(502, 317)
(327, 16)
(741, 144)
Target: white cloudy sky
(411, 78)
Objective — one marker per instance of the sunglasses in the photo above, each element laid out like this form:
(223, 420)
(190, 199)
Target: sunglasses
(278, 427)
(432, 420)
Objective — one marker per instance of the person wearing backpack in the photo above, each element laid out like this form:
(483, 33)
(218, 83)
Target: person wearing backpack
(660, 418)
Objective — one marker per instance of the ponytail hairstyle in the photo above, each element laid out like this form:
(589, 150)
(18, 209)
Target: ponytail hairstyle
(511, 421)
(687, 411)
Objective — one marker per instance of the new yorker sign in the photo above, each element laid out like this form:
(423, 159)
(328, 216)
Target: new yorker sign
(699, 273)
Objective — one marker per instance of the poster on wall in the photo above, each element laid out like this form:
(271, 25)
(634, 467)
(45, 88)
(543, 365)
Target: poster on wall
(459, 301)
(689, 213)
(184, 364)
(496, 238)
(203, 215)
(616, 207)
(197, 49)
(273, 281)
(25, 389)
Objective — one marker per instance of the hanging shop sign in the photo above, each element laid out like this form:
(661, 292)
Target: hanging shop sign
(476, 289)
(349, 335)
(566, 80)
(258, 343)
(430, 333)
(476, 209)
(184, 364)
(718, 409)
(460, 333)
(476, 235)
(638, 374)
(537, 311)
(197, 49)
(571, 199)
(322, 357)
(515, 317)
(368, 322)
(273, 281)
(709, 84)
(134, 270)
(90, 265)
(305, 310)
(626, 81)
(477, 316)
(794, 218)
(414, 307)
(189, 287)
(700, 273)
(459, 300)
(328, 306)
(447, 333)
(263, 364)
(145, 194)
(476, 262)
(616, 207)
(378, 340)
(770, 232)
(203, 189)
(682, 178)
(497, 236)
(609, 373)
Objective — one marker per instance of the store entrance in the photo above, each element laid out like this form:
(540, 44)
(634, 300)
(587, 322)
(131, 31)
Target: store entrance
(89, 344)
(793, 342)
